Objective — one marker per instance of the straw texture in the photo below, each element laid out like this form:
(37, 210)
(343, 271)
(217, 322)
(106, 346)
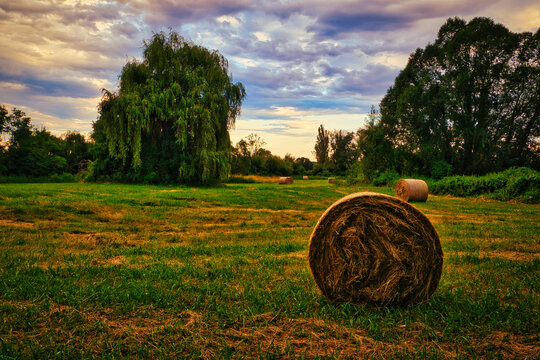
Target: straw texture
(412, 190)
(286, 180)
(370, 248)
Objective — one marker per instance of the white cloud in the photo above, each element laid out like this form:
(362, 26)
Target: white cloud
(11, 86)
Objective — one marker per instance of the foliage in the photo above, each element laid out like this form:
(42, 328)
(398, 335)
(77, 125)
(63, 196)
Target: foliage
(322, 146)
(386, 178)
(376, 152)
(305, 163)
(522, 184)
(54, 178)
(440, 169)
(355, 174)
(34, 153)
(344, 151)
(240, 180)
(77, 151)
(170, 115)
(249, 157)
(470, 100)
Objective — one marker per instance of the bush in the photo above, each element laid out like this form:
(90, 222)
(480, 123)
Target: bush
(63, 178)
(152, 178)
(56, 178)
(440, 169)
(240, 180)
(387, 178)
(355, 175)
(522, 184)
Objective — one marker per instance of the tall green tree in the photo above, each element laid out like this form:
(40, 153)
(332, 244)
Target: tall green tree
(376, 151)
(470, 100)
(322, 146)
(172, 113)
(344, 151)
(76, 151)
(29, 152)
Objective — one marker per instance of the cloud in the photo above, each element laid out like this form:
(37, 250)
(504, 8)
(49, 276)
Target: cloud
(303, 62)
(166, 13)
(337, 23)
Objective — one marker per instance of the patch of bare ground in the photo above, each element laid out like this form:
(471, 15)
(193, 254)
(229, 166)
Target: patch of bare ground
(94, 240)
(313, 337)
(110, 323)
(507, 346)
(302, 254)
(110, 214)
(441, 217)
(302, 337)
(247, 209)
(23, 224)
(113, 261)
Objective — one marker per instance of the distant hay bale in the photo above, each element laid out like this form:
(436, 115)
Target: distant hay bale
(331, 180)
(305, 177)
(412, 190)
(286, 180)
(370, 248)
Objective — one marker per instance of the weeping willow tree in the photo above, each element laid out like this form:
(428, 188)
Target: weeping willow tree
(171, 115)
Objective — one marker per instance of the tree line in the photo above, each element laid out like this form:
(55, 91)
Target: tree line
(468, 103)
(30, 152)
(250, 157)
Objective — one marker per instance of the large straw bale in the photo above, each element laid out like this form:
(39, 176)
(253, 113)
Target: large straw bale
(286, 180)
(370, 248)
(412, 190)
(305, 177)
(331, 180)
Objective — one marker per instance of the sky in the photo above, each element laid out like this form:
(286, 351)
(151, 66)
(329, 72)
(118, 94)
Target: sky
(303, 63)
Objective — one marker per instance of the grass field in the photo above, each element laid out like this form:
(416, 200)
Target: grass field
(125, 271)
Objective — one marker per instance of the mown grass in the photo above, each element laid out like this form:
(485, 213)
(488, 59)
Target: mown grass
(126, 271)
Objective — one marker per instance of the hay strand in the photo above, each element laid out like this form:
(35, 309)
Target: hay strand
(412, 190)
(286, 180)
(370, 248)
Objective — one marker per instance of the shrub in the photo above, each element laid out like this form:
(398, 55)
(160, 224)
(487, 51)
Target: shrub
(386, 178)
(522, 184)
(240, 180)
(63, 178)
(355, 175)
(152, 178)
(440, 169)
(56, 178)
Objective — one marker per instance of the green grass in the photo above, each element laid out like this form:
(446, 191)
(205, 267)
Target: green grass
(127, 271)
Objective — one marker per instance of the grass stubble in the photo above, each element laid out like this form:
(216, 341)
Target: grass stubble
(128, 271)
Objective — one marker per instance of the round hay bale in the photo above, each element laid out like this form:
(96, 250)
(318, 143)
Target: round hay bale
(412, 190)
(305, 177)
(286, 180)
(370, 248)
(331, 180)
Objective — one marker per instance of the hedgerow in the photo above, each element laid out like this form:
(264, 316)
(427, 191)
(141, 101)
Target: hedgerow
(522, 184)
